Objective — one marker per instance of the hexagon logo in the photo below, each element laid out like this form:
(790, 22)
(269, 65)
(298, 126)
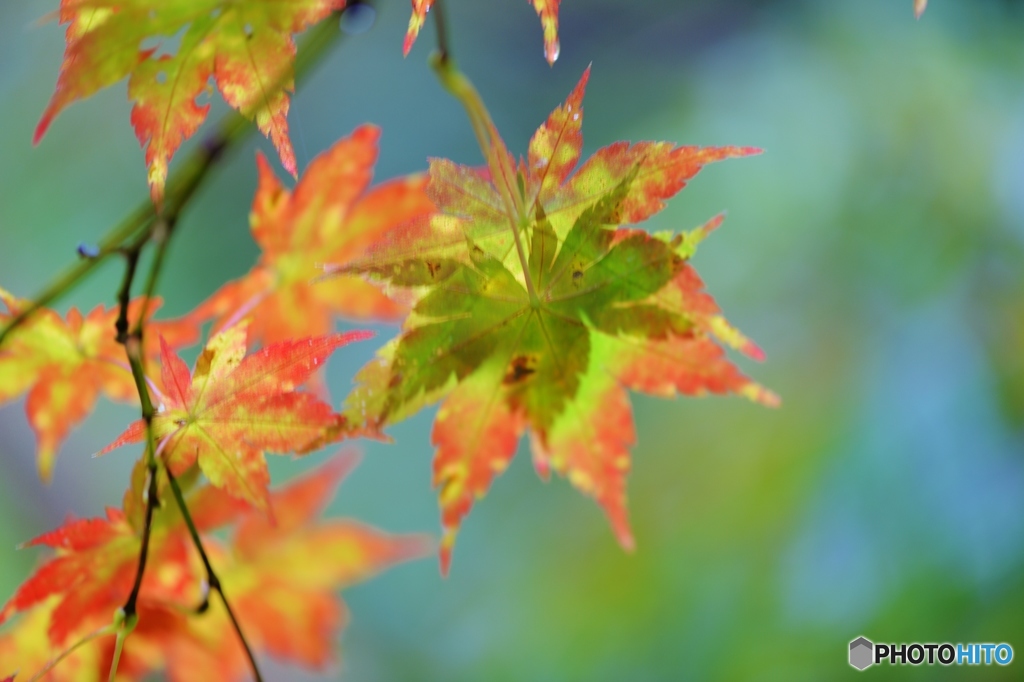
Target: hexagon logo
(861, 653)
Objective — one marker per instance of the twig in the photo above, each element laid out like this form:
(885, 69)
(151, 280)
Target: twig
(133, 349)
(124, 292)
(443, 49)
(211, 576)
(130, 606)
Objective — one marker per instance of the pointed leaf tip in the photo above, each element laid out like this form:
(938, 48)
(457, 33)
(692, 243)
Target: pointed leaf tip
(41, 128)
(444, 552)
(759, 394)
(547, 10)
(624, 536)
(341, 465)
(713, 224)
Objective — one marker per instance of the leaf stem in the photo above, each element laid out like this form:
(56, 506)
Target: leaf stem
(211, 576)
(122, 634)
(105, 630)
(499, 161)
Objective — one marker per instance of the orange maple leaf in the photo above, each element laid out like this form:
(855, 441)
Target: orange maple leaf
(246, 48)
(64, 365)
(26, 648)
(547, 10)
(94, 566)
(282, 576)
(234, 408)
(538, 310)
(331, 217)
(281, 580)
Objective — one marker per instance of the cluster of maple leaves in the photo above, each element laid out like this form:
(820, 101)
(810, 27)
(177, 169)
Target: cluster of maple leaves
(529, 305)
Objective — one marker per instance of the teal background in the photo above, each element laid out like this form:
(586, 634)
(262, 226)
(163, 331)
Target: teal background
(875, 252)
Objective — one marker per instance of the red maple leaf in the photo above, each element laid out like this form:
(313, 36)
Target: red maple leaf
(233, 408)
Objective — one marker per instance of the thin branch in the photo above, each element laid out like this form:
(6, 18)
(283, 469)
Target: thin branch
(130, 606)
(211, 576)
(124, 292)
(443, 49)
(132, 343)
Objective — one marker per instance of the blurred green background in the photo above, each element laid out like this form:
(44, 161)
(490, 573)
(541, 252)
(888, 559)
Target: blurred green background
(876, 252)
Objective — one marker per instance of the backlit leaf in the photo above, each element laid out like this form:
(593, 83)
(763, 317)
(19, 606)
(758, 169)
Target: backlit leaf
(551, 347)
(65, 364)
(330, 217)
(246, 48)
(234, 408)
(282, 580)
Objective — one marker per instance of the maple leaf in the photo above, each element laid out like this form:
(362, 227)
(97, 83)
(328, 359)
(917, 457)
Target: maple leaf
(245, 47)
(233, 408)
(547, 10)
(27, 648)
(282, 576)
(282, 579)
(548, 335)
(331, 217)
(919, 7)
(93, 569)
(64, 365)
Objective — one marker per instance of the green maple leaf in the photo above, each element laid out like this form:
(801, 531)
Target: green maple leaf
(537, 310)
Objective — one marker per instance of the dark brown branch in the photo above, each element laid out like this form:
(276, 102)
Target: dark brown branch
(133, 349)
(130, 606)
(443, 48)
(211, 576)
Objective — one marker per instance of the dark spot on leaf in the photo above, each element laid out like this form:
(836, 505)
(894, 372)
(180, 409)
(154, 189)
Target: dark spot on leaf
(521, 367)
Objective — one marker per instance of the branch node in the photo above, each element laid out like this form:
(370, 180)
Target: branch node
(88, 251)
